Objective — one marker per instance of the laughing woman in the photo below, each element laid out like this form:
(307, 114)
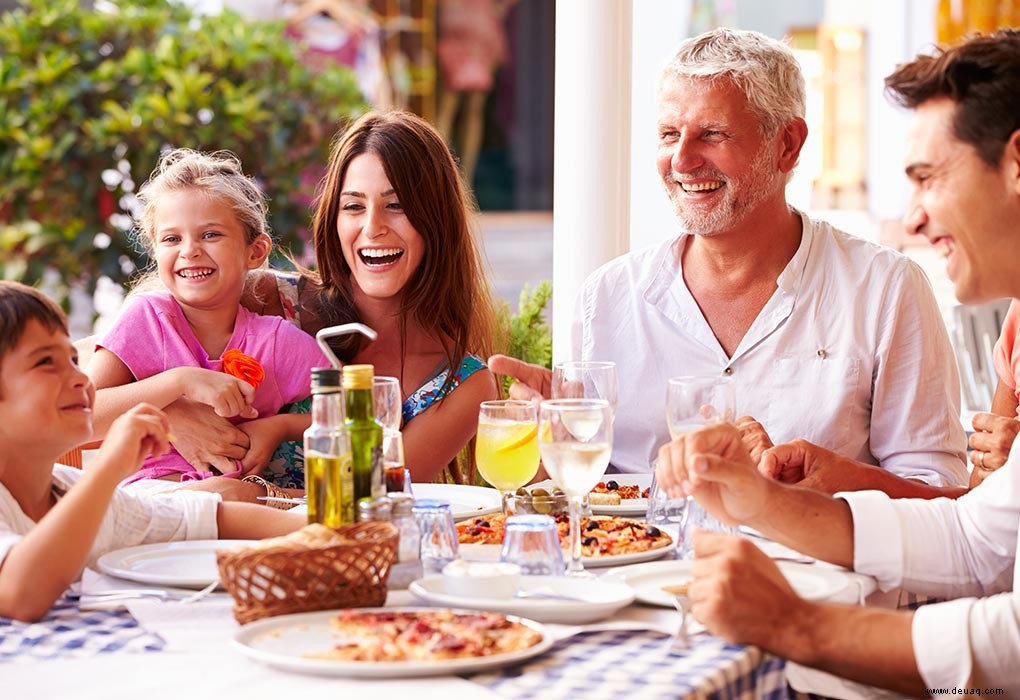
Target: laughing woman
(394, 250)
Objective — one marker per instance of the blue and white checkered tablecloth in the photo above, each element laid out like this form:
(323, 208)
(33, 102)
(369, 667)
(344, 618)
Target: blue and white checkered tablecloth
(69, 632)
(641, 666)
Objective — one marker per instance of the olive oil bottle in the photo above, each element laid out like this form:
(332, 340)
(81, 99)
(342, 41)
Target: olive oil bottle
(329, 477)
(365, 433)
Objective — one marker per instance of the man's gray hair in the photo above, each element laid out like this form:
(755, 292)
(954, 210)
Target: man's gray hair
(764, 69)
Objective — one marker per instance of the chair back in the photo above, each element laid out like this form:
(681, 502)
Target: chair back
(975, 330)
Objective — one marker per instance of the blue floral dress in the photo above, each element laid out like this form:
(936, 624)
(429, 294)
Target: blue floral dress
(286, 468)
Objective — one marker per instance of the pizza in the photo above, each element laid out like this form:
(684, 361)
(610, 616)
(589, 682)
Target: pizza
(425, 635)
(601, 536)
(611, 493)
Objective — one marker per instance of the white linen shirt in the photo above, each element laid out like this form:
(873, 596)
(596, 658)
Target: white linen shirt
(130, 519)
(951, 549)
(850, 352)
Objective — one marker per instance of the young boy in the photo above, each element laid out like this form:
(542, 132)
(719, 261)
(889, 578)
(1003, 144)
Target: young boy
(55, 519)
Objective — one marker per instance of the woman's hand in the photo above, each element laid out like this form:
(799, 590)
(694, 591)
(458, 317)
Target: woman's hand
(264, 436)
(228, 396)
(990, 444)
(206, 440)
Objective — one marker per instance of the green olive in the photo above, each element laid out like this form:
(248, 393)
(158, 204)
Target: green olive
(540, 493)
(522, 491)
(543, 506)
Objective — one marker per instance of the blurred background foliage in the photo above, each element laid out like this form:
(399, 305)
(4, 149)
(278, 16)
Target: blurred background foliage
(88, 99)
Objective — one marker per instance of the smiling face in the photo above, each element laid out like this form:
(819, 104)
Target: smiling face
(965, 208)
(45, 399)
(714, 162)
(202, 251)
(381, 247)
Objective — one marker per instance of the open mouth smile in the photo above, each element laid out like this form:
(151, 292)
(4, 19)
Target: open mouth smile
(195, 273)
(379, 257)
(699, 187)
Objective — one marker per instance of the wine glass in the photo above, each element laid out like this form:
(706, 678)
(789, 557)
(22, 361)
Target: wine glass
(575, 437)
(396, 475)
(586, 379)
(693, 403)
(506, 450)
(386, 401)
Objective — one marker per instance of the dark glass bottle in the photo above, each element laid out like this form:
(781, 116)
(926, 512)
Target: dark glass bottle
(366, 434)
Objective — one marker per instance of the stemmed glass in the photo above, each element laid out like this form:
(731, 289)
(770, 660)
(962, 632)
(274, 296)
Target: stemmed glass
(575, 437)
(586, 379)
(506, 450)
(396, 475)
(693, 403)
(386, 401)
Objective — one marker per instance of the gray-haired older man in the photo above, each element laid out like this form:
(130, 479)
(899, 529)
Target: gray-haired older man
(825, 336)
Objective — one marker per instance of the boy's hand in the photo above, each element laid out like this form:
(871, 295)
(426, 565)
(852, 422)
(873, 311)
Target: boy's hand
(140, 432)
(228, 396)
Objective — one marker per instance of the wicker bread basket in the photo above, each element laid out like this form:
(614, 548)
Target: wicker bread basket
(281, 580)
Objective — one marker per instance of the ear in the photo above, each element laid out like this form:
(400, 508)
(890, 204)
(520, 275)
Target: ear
(1010, 162)
(791, 139)
(258, 251)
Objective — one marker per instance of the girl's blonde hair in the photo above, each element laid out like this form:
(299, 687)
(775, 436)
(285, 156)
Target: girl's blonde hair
(218, 174)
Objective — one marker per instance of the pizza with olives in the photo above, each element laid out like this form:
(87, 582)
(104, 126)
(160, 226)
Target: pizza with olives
(601, 536)
(425, 635)
(612, 493)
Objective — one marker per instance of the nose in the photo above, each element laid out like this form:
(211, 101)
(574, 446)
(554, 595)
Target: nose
(915, 220)
(375, 222)
(190, 247)
(685, 157)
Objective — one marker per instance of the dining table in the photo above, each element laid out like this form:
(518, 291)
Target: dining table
(149, 648)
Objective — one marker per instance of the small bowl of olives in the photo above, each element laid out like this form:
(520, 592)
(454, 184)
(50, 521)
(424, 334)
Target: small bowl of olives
(540, 501)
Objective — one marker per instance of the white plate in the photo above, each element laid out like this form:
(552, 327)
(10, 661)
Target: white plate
(465, 501)
(283, 642)
(490, 552)
(629, 507)
(189, 564)
(598, 598)
(647, 580)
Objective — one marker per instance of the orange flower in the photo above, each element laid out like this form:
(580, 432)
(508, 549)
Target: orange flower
(237, 364)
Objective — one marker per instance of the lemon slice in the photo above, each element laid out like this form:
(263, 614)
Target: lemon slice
(520, 440)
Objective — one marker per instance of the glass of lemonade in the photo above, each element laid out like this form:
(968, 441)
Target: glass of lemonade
(506, 450)
(575, 437)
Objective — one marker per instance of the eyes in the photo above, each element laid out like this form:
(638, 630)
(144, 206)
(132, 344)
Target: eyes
(50, 360)
(671, 136)
(173, 238)
(358, 207)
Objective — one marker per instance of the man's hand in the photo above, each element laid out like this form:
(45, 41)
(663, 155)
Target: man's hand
(713, 466)
(739, 594)
(990, 444)
(533, 383)
(806, 464)
(756, 440)
(206, 440)
(132, 437)
(228, 396)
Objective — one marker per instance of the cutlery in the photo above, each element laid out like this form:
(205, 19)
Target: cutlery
(682, 640)
(127, 594)
(548, 595)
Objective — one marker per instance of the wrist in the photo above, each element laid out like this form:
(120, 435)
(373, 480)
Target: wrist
(796, 637)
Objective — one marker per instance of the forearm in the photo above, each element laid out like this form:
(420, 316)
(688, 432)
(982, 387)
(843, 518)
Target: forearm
(289, 426)
(869, 645)
(247, 521)
(41, 567)
(160, 390)
(809, 521)
(865, 477)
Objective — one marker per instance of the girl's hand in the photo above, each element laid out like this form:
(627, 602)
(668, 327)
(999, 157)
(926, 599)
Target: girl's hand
(228, 396)
(132, 437)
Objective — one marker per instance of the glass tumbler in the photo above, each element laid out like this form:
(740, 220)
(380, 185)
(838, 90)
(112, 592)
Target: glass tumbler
(438, 534)
(531, 542)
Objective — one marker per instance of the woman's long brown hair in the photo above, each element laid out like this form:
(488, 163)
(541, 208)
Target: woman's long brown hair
(448, 295)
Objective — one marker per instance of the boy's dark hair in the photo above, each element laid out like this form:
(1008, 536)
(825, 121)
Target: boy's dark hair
(20, 304)
(981, 76)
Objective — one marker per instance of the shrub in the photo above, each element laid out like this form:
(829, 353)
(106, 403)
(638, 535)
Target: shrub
(88, 99)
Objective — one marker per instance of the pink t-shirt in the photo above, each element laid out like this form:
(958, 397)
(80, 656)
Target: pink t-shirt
(151, 335)
(1006, 355)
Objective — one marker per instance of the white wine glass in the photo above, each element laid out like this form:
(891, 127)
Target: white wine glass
(506, 451)
(575, 437)
(693, 403)
(386, 401)
(586, 379)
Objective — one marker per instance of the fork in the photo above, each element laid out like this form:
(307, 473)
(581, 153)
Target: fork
(682, 640)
